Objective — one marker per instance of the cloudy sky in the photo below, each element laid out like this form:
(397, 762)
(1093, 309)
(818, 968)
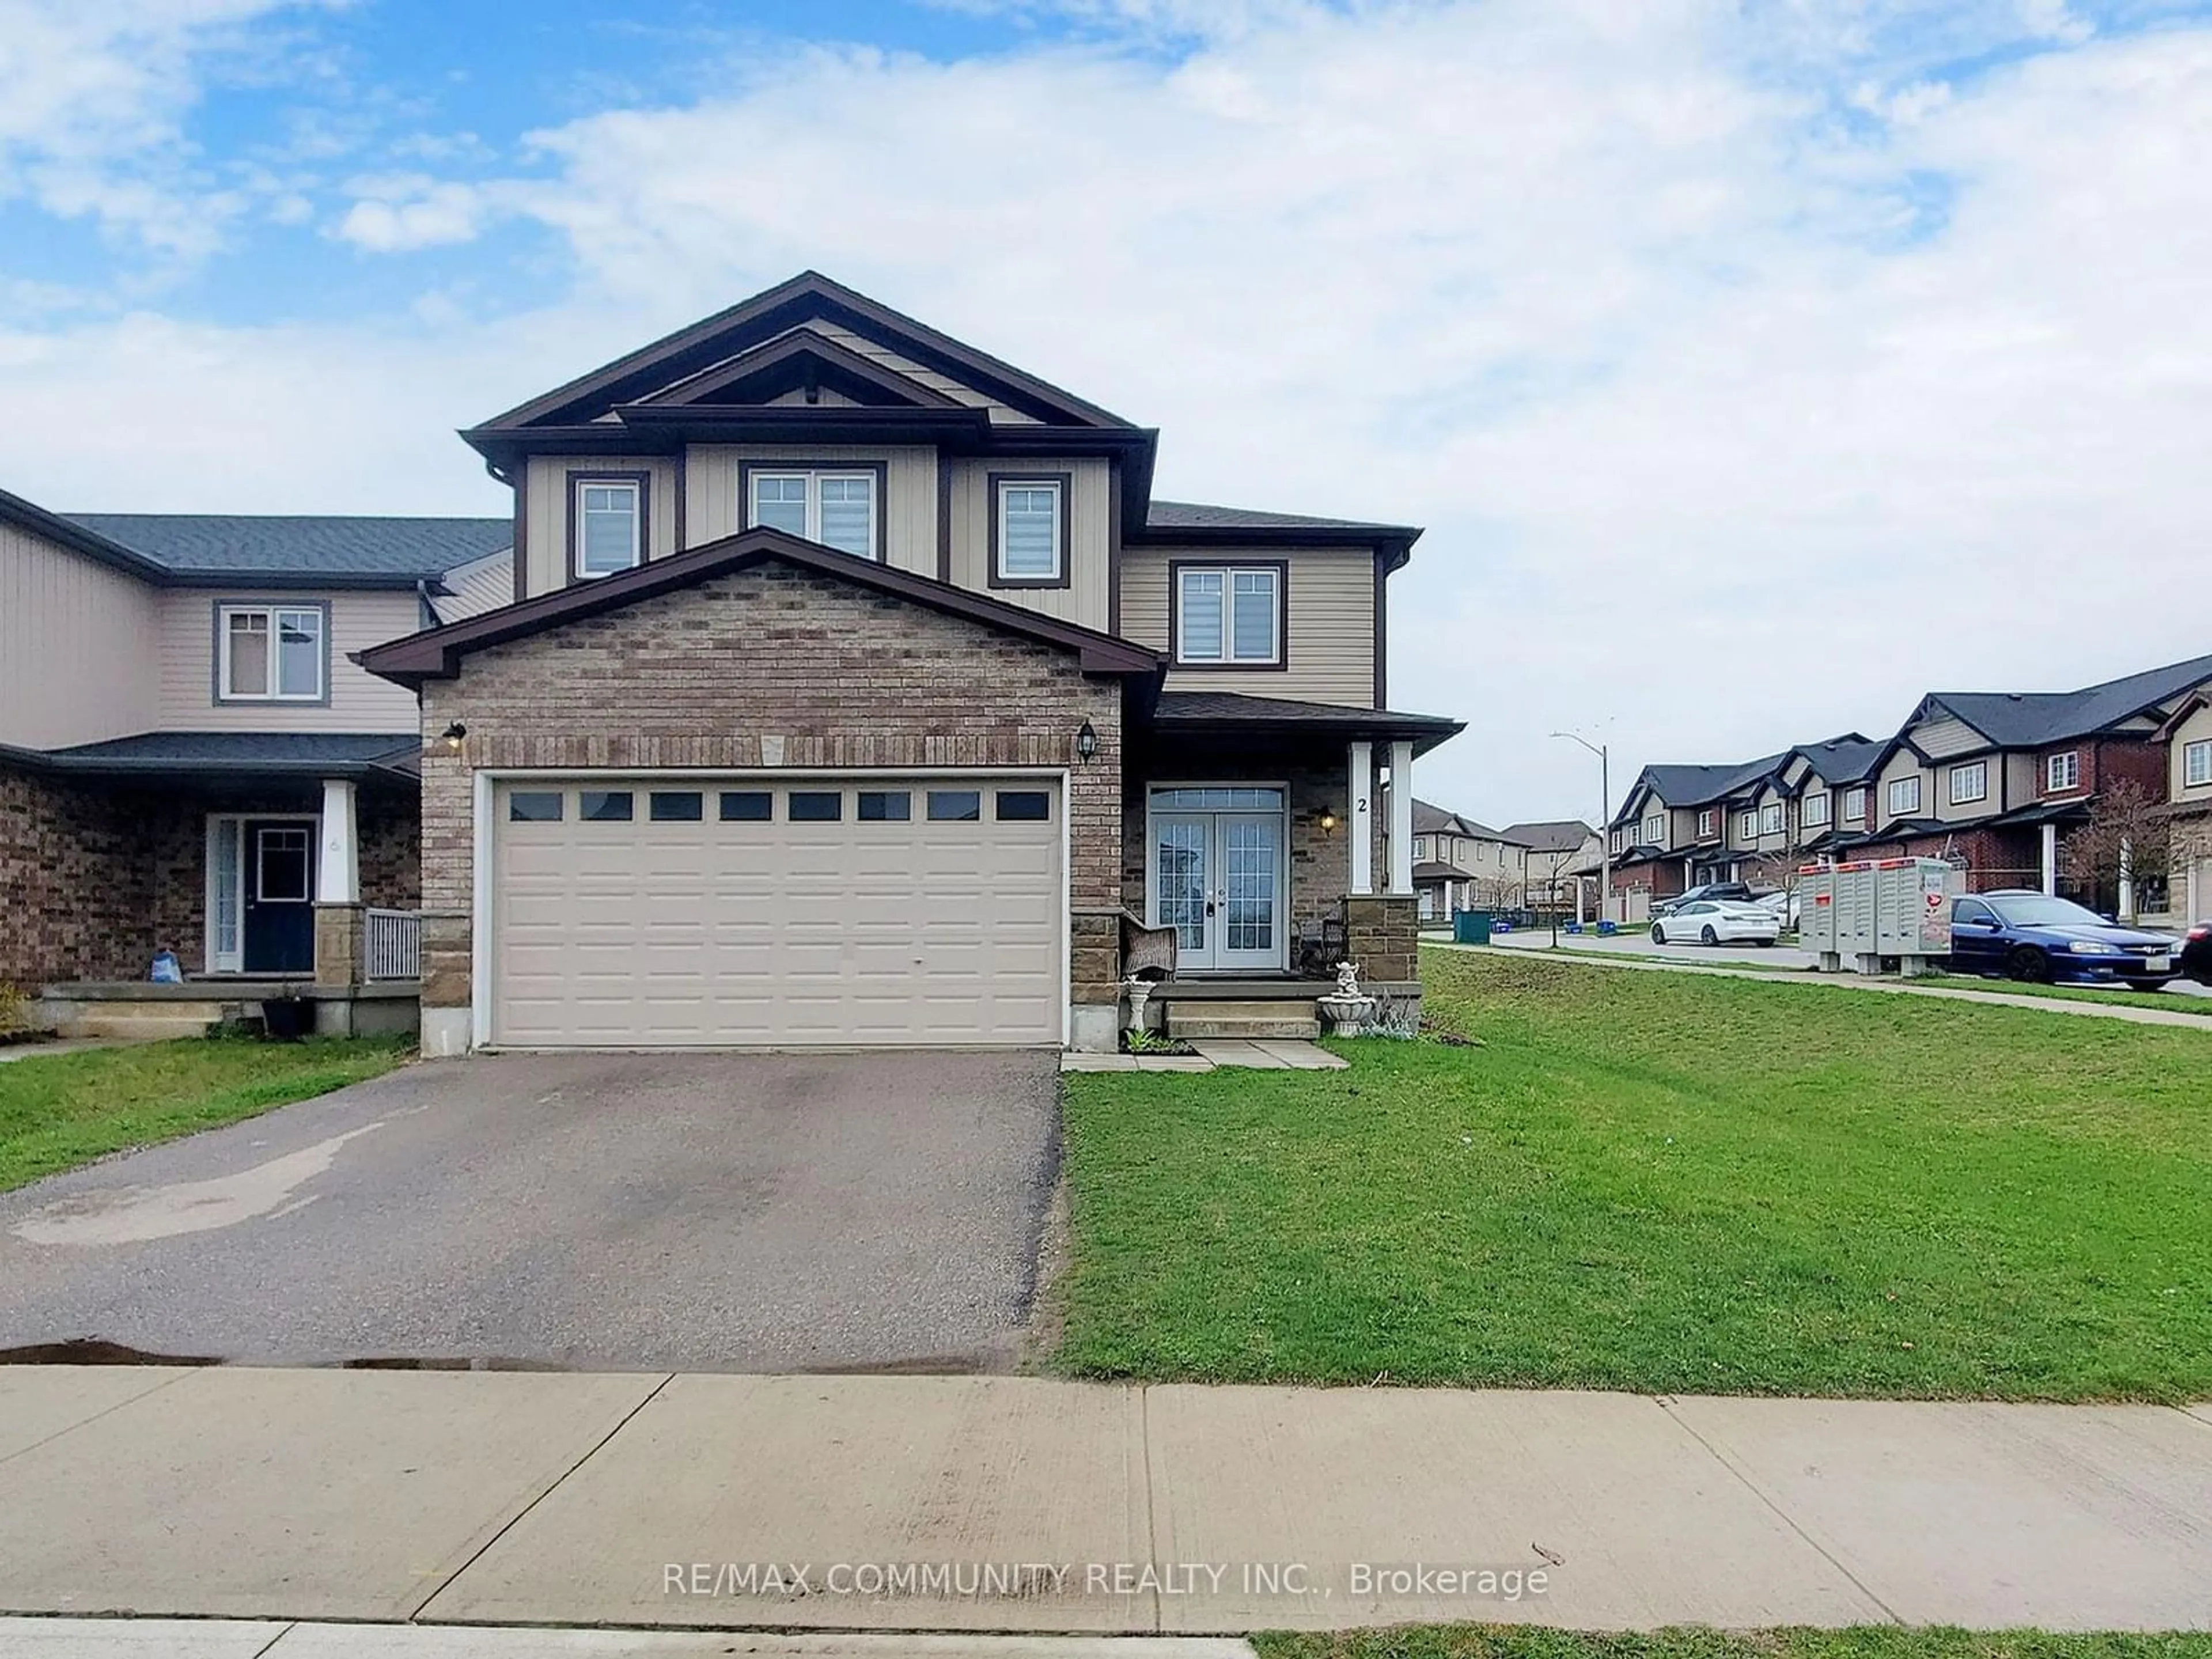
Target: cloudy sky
(1755, 367)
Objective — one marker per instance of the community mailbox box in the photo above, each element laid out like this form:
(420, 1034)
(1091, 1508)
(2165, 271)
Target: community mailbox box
(1878, 907)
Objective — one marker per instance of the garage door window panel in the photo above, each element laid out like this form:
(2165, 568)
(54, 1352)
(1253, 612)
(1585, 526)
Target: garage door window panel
(955, 805)
(675, 806)
(815, 807)
(1025, 806)
(747, 806)
(535, 806)
(607, 806)
(886, 806)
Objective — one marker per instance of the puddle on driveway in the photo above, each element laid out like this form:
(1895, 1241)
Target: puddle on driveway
(137, 1215)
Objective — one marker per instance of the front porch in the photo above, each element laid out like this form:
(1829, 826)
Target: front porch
(1266, 841)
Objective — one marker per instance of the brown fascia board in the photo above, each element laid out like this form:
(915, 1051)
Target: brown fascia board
(435, 653)
(799, 343)
(1393, 544)
(2200, 698)
(810, 294)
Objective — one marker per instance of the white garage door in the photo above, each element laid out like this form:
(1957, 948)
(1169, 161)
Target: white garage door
(645, 912)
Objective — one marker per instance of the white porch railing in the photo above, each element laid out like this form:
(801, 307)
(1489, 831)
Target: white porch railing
(392, 944)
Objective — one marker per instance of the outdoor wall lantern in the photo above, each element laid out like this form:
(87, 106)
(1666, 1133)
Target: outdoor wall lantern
(1086, 744)
(1328, 822)
(453, 734)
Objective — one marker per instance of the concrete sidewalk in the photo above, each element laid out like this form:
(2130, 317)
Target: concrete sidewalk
(2135, 1013)
(949, 1503)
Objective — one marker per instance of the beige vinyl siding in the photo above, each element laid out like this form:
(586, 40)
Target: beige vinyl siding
(2197, 728)
(884, 357)
(1089, 535)
(547, 510)
(475, 589)
(76, 645)
(1329, 641)
(1902, 765)
(713, 508)
(1940, 737)
(359, 702)
(1992, 790)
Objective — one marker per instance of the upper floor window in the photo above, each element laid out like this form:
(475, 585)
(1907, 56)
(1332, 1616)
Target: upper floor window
(1420, 846)
(271, 653)
(1708, 820)
(1770, 820)
(1228, 616)
(1855, 806)
(1029, 532)
(610, 524)
(1904, 795)
(1970, 782)
(1620, 840)
(1746, 826)
(835, 506)
(2062, 771)
(2196, 763)
(1814, 813)
(1654, 831)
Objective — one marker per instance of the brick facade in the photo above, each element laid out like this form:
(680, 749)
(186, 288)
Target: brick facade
(95, 879)
(744, 667)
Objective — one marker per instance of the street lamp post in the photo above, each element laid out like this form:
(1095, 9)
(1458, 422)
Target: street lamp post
(1604, 816)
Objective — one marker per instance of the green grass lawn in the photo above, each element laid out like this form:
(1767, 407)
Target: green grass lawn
(1664, 1182)
(60, 1110)
(2174, 1003)
(1863, 1642)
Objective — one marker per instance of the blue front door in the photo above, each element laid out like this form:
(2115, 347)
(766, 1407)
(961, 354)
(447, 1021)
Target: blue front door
(279, 930)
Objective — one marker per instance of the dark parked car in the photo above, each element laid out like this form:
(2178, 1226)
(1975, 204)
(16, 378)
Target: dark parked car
(1729, 892)
(2026, 935)
(2197, 953)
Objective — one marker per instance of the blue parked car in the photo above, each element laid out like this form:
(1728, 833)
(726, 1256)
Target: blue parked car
(2026, 935)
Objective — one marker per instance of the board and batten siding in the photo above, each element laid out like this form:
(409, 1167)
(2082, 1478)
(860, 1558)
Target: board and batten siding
(76, 645)
(1328, 642)
(359, 702)
(713, 508)
(1085, 600)
(546, 510)
(1941, 738)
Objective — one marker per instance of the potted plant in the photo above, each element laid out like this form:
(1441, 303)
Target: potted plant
(288, 1016)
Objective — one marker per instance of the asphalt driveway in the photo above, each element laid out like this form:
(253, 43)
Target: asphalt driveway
(681, 1211)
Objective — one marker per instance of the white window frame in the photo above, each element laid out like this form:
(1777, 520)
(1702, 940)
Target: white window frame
(1855, 803)
(1770, 821)
(1420, 846)
(1979, 771)
(274, 614)
(1814, 812)
(1276, 573)
(2196, 763)
(1896, 808)
(2061, 772)
(815, 478)
(1058, 575)
(1653, 830)
(1747, 825)
(1707, 820)
(581, 482)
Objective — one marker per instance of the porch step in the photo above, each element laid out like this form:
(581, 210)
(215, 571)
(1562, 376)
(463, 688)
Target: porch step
(141, 1022)
(1215, 1017)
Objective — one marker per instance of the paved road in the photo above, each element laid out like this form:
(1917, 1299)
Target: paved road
(1780, 958)
(757, 1213)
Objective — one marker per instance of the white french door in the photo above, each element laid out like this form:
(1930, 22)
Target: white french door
(1218, 877)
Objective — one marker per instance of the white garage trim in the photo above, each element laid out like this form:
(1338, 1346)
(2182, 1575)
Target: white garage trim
(487, 780)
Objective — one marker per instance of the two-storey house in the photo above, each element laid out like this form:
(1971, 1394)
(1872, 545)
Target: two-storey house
(1462, 865)
(1679, 826)
(190, 759)
(1829, 787)
(1562, 862)
(2186, 732)
(1993, 780)
(854, 687)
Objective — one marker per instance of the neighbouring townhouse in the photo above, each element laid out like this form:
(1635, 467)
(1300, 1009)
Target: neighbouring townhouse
(832, 683)
(1562, 863)
(190, 759)
(2187, 734)
(1679, 826)
(1462, 865)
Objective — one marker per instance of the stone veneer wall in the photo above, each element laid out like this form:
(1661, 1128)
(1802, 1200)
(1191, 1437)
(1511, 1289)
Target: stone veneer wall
(744, 668)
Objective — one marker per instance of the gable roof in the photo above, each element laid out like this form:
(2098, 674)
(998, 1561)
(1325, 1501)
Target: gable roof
(1549, 835)
(435, 653)
(1845, 759)
(802, 359)
(1699, 786)
(231, 547)
(809, 296)
(2033, 720)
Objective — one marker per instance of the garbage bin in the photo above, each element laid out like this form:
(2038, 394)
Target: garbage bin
(1471, 926)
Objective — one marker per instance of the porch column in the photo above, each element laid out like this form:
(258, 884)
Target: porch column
(1401, 817)
(337, 879)
(2051, 858)
(1359, 819)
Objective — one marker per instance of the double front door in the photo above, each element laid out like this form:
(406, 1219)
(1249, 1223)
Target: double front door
(1218, 877)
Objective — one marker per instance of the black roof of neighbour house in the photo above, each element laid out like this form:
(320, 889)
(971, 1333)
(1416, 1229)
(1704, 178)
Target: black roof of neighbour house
(1430, 819)
(1194, 515)
(1430, 870)
(318, 754)
(1549, 835)
(2032, 720)
(1845, 759)
(1695, 786)
(400, 551)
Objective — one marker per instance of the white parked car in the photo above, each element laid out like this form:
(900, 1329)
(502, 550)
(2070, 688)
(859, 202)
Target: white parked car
(1717, 921)
(1783, 905)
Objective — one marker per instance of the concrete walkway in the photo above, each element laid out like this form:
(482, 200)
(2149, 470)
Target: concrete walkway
(2133, 1012)
(950, 1503)
(1256, 1054)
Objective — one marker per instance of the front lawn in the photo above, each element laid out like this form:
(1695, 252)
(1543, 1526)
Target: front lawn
(1862, 1642)
(2173, 1002)
(1662, 1182)
(57, 1111)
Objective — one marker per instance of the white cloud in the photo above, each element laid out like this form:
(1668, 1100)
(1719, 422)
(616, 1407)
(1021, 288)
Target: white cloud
(1748, 385)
